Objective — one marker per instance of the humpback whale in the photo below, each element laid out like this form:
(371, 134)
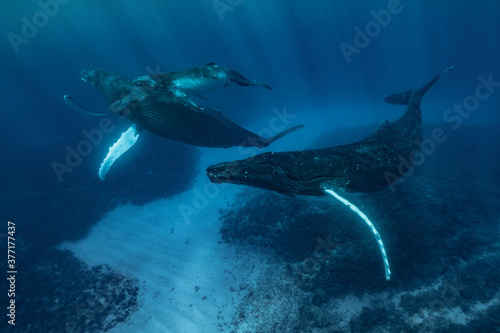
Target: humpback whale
(359, 167)
(167, 114)
(196, 80)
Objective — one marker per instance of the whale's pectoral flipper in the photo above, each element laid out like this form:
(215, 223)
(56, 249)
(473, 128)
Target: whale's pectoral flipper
(122, 103)
(334, 193)
(126, 140)
(136, 94)
(80, 109)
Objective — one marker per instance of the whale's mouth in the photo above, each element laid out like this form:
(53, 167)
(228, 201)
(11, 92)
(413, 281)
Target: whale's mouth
(221, 173)
(258, 175)
(214, 178)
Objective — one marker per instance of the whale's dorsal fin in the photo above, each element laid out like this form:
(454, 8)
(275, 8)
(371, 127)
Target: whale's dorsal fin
(399, 98)
(327, 188)
(382, 124)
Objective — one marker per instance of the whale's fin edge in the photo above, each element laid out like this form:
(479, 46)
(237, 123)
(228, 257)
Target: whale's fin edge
(335, 193)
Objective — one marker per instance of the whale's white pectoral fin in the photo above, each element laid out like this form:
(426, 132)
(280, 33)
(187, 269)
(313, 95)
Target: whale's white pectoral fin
(126, 140)
(331, 191)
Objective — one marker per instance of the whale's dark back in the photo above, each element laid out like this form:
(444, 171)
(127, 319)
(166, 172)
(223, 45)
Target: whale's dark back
(165, 115)
(374, 162)
(176, 118)
(368, 165)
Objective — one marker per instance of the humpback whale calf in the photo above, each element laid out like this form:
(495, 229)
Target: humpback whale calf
(192, 81)
(196, 80)
(359, 167)
(166, 114)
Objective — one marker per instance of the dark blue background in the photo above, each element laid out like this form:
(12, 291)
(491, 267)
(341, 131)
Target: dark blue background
(291, 45)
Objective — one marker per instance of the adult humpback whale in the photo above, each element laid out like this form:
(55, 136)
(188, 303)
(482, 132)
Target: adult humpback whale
(166, 114)
(361, 166)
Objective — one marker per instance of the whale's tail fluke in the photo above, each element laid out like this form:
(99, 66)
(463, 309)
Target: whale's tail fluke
(404, 98)
(238, 79)
(259, 84)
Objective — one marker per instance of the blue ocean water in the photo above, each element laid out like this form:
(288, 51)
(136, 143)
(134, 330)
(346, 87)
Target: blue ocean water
(329, 63)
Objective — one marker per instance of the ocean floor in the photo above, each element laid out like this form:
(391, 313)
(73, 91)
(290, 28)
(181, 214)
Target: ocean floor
(230, 259)
(189, 280)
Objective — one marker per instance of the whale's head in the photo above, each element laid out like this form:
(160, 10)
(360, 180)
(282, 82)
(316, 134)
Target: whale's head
(260, 171)
(111, 85)
(97, 77)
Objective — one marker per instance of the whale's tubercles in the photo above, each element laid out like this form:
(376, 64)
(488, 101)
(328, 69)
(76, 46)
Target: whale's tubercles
(374, 231)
